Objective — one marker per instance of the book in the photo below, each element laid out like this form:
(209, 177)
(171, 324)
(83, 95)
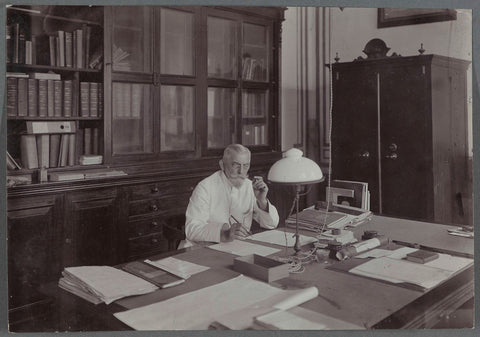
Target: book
(61, 48)
(422, 256)
(22, 97)
(45, 76)
(87, 141)
(50, 98)
(42, 98)
(63, 153)
(28, 52)
(69, 49)
(90, 159)
(12, 97)
(52, 50)
(67, 98)
(28, 149)
(84, 99)
(359, 198)
(57, 98)
(65, 176)
(54, 149)
(100, 100)
(13, 162)
(95, 140)
(152, 274)
(313, 219)
(9, 43)
(16, 74)
(35, 127)
(86, 45)
(93, 99)
(79, 48)
(32, 89)
(41, 50)
(43, 150)
(71, 149)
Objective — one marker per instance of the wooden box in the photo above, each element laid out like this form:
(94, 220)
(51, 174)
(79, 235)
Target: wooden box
(260, 267)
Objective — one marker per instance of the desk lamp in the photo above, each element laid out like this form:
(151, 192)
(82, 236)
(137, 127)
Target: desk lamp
(295, 170)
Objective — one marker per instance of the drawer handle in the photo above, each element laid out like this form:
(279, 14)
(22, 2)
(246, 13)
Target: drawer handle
(139, 233)
(154, 189)
(68, 241)
(154, 224)
(154, 207)
(154, 240)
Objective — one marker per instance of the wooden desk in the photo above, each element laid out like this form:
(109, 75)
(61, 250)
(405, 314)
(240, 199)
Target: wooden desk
(361, 301)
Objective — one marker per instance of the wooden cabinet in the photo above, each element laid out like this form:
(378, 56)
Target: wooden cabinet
(400, 124)
(94, 225)
(34, 231)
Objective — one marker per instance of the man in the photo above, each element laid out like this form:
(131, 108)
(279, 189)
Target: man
(223, 205)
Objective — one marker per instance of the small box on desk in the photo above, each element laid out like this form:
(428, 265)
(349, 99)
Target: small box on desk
(260, 267)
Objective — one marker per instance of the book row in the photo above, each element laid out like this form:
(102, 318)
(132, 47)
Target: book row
(58, 150)
(254, 104)
(59, 49)
(254, 69)
(254, 135)
(51, 98)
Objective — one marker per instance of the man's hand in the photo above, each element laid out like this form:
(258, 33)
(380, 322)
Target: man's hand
(260, 189)
(233, 231)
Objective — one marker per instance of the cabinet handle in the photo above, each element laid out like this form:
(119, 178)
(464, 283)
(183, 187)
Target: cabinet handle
(392, 156)
(154, 189)
(139, 233)
(154, 224)
(154, 207)
(154, 240)
(68, 241)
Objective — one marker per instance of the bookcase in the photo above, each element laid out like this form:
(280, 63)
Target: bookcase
(54, 86)
(159, 94)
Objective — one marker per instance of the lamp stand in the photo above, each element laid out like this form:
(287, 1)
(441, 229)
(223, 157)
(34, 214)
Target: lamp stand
(297, 235)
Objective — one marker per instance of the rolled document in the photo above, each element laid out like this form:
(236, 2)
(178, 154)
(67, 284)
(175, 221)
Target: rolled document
(362, 246)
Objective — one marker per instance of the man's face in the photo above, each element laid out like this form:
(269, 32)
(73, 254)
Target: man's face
(236, 168)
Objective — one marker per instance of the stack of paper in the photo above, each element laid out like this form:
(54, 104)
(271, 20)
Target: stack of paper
(180, 268)
(280, 238)
(99, 284)
(314, 220)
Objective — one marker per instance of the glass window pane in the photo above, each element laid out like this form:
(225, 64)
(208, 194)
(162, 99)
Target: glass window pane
(221, 117)
(254, 117)
(255, 56)
(177, 118)
(221, 48)
(131, 45)
(132, 127)
(176, 42)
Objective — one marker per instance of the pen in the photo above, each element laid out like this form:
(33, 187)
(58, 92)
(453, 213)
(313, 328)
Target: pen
(249, 233)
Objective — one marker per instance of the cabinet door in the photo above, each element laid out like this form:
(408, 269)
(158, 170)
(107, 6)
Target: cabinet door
(354, 129)
(33, 246)
(95, 228)
(405, 136)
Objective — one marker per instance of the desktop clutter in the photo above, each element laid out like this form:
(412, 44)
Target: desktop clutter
(262, 259)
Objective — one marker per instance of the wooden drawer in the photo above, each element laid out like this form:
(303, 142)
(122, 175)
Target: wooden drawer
(155, 190)
(147, 245)
(172, 205)
(145, 226)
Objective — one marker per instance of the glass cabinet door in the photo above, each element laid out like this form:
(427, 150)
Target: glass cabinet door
(132, 39)
(221, 48)
(255, 52)
(221, 114)
(132, 118)
(176, 42)
(177, 118)
(254, 117)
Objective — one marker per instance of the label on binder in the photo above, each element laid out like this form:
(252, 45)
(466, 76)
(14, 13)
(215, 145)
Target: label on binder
(51, 127)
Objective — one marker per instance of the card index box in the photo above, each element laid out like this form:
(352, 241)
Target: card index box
(261, 267)
(422, 256)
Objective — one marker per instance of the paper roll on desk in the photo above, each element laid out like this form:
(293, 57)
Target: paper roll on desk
(359, 247)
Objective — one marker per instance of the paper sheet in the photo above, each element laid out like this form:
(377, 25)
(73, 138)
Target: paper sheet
(180, 268)
(401, 271)
(277, 237)
(285, 320)
(401, 253)
(198, 309)
(242, 248)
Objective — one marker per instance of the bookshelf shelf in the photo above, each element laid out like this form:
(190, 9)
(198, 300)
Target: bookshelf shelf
(33, 67)
(56, 118)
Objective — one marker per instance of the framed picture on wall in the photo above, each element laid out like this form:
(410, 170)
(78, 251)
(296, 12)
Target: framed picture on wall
(390, 17)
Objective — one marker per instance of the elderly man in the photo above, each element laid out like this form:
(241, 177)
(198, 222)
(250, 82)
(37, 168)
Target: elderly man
(223, 205)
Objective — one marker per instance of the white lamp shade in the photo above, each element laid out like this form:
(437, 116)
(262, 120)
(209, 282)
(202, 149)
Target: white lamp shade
(294, 169)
